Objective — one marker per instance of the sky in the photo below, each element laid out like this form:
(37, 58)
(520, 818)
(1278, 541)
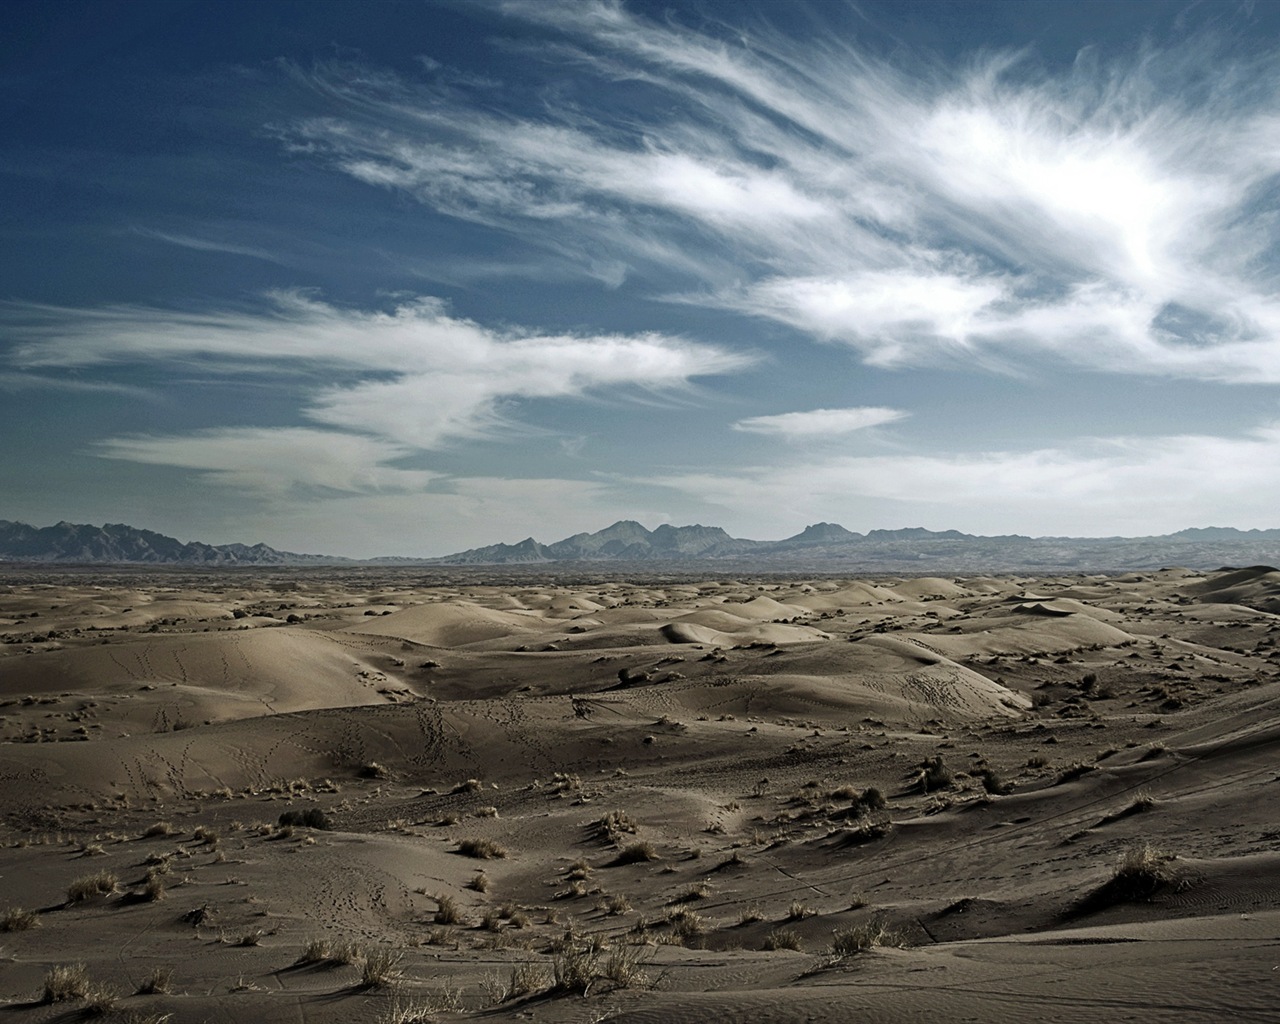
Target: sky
(412, 277)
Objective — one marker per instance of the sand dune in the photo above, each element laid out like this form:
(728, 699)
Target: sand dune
(782, 800)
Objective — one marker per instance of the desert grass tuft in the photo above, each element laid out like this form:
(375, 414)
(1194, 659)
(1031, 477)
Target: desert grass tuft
(782, 938)
(380, 967)
(158, 982)
(103, 883)
(859, 938)
(481, 849)
(636, 853)
(65, 982)
(16, 919)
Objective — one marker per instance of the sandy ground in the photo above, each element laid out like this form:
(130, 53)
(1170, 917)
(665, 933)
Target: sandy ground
(645, 798)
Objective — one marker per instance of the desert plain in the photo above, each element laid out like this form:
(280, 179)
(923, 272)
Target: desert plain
(397, 795)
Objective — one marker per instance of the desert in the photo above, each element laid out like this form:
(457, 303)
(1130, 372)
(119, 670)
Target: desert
(380, 794)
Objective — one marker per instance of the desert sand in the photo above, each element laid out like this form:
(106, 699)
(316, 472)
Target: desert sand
(397, 795)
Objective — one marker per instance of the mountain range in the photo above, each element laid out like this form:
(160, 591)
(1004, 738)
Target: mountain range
(116, 543)
(820, 547)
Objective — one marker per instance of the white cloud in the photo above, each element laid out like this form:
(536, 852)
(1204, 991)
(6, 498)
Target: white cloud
(1091, 487)
(820, 423)
(413, 376)
(276, 461)
(990, 214)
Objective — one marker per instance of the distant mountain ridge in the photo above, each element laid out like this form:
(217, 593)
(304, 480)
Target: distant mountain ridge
(820, 547)
(117, 543)
(912, 549)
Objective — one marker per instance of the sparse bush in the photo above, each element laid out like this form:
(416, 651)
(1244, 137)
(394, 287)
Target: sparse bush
(479, 882)
(159, 981)
(100, 1000)
(782, 938)
(481, 849)
(934, 775)
(104, 883)
(380, 967)
(526, 978)
(798, 911)
(65, 982)
(15, 919)
(859, 938)
(686, 926)
(160, 828)
(750, 915)
(993, 783)
(615, 826)
(153, 891)
(312, 817)
(617, 904)
(447, 910)
(635, 853)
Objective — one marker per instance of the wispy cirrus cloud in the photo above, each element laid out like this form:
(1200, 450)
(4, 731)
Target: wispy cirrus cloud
(820, 423)
(1085, 486)
(399, 382)
(1111, 215)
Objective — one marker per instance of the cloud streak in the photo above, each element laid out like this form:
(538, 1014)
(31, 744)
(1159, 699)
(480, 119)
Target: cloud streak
(1110, 215)
(400, 382)
(1091, 486)
(819, 423)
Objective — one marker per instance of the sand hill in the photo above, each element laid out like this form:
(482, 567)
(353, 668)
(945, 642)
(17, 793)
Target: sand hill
(396, 795)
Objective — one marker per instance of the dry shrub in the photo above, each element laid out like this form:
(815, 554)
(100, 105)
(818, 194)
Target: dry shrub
(934, 775)
(479, 882)
(159, 981)
(859, 938)
(782, 938)
(103, 883)
(686, 926)
(614, 826)
(380, 967)
(635, 853)
(65, 982)
(15, 919)
(100, 1000)
(447, 910)
(481, 849)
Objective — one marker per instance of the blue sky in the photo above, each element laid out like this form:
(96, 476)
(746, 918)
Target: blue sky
(411, 277)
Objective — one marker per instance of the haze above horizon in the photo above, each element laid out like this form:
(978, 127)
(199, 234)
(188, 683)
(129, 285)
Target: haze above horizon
(424, 277)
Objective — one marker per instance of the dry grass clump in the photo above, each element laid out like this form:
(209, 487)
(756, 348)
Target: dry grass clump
(479, 882)
(798, 911)
(65, 982)
(103, 883)
(160, 828)
(1141, 872)
(153, 891)
(934, 775)
(380, 967)
(614, 827)
(578, 964)
(686, 926)
(159, 981)
(447, 910)
(636, 853)
(481, 849)
(312, 817)
(617, 904)
(750, 915)
(526, 978)
(782, 938)
(859, 938)
(15, 919)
